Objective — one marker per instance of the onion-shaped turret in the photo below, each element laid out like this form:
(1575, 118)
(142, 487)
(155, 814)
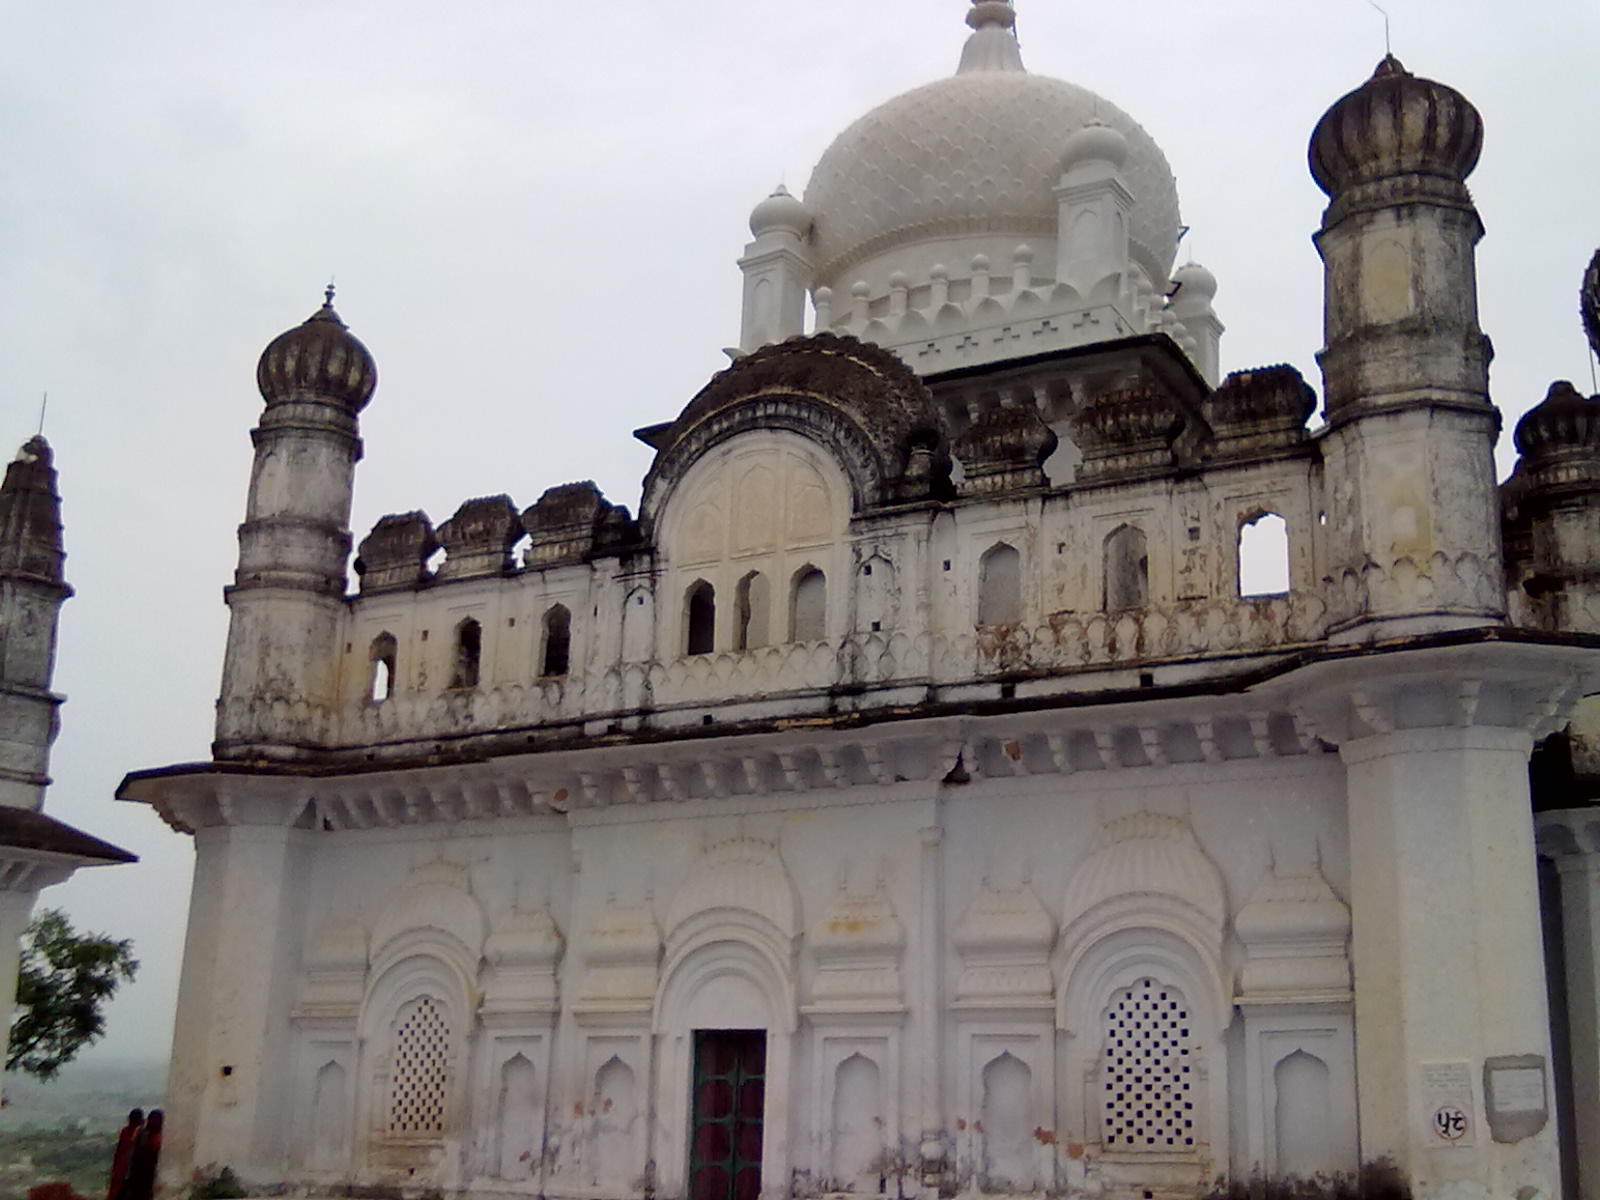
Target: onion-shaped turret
(780, 213)
(319, 360)
(1395, 124)
(1095, 142)
(1562, 424)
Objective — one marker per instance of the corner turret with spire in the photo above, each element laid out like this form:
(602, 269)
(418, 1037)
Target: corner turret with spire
(287, 598)
(32, 591)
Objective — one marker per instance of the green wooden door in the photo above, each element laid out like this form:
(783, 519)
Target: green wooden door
(730, 1086)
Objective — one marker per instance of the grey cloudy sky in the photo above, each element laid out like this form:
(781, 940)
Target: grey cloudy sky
(533, 211)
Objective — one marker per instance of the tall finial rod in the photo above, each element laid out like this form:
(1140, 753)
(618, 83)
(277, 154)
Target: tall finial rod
(328, 294)
(1388, 44)
(44, 404)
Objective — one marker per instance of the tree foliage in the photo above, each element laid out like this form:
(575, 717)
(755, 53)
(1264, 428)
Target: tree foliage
(63, 983)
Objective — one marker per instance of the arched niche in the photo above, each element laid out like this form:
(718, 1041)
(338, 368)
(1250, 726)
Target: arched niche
(1303, 1117)
(808, 605)
(330, 1117)
(858, 1124)
(1000, 586)
(1126, 569)
(743, 520)
(1010, 1159)
(517, 1120)
(616, 1114)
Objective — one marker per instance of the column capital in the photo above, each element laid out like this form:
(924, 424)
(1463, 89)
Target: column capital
(1502, 690)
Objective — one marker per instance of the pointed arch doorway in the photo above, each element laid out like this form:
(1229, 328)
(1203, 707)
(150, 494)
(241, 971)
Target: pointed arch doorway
(728, 1114)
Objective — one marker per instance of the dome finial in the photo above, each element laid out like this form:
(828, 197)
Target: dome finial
(327, 296)
(993, 44)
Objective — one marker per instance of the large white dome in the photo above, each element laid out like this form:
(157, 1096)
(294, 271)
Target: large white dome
(976, 153)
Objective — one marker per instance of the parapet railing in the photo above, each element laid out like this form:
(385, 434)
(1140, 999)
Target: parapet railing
(1062, 644)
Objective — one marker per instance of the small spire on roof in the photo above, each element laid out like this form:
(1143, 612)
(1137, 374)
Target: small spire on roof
(1390, 66)
(327, 312)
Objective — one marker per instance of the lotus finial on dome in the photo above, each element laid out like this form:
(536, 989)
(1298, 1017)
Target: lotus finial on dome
(993, 44)
(992, 12)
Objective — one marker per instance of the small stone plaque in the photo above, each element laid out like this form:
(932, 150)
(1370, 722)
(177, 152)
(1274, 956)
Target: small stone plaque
(1447, 1103)
(1515, 1091)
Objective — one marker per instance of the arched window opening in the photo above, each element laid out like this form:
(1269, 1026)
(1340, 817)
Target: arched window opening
(1127, 569)
(419, 1082)
(753, 603)
(1000, 586)
(1263, 555)
(469, 651)
(808, 606)
(700, 619)
(382, 655)
(557, 655)
(1150, 1071)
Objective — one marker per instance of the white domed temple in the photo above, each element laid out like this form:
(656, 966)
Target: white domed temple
(911, 798)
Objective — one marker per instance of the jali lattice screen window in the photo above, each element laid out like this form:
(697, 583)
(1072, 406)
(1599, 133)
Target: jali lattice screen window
(1149, 1070)
(420, 1081)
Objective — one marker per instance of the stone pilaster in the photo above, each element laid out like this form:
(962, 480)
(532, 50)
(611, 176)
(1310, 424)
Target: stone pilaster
(227, 1088)
(1572, 839)
(1452, 1028)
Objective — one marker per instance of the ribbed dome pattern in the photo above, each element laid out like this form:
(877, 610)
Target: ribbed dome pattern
(319, 359)
(437, 898)
(1395, 124)
(1147, 854)
(976, 153)
(741, 873)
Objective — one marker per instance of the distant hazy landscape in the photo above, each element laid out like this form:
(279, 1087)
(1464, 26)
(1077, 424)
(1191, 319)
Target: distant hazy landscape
(67, 1128)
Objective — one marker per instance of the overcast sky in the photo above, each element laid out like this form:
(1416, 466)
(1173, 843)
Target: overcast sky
(533, 212)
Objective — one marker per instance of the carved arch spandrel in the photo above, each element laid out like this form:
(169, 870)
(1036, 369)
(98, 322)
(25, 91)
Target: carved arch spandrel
(860, 402)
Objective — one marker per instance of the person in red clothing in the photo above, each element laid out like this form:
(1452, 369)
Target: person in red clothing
(141, 1181)
(124, 1152)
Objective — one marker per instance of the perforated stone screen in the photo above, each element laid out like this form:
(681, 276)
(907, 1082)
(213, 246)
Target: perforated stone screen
(1149, 1070)
(420, 1081)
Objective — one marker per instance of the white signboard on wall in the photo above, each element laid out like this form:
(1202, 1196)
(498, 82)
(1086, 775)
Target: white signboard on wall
(1447, 1104)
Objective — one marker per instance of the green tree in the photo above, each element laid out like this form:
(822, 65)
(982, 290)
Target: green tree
(63, 982)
